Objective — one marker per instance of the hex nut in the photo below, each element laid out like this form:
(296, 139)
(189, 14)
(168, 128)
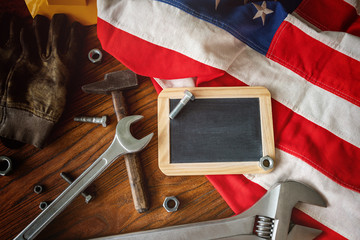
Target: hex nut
(266, 163)
(5, 165)
(171, 204)
(38, 189)
(43, 205)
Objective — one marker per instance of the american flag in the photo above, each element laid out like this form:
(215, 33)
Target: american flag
(307, 53)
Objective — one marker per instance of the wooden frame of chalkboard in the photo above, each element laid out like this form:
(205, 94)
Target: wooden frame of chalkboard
(225, 130)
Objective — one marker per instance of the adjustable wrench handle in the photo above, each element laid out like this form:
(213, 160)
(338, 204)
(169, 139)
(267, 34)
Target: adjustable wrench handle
(230, 228)
(68, 195)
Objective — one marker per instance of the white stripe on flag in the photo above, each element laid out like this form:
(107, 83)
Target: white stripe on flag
(209, 44)
(339, 41)
(173, 83)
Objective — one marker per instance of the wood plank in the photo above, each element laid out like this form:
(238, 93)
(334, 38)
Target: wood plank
(74, 146)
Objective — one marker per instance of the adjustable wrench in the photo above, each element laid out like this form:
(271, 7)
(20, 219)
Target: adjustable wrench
(123, 143)
(269, 218)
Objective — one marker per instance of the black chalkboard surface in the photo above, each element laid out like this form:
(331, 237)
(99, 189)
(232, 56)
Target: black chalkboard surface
(216, 130)
(223, 131)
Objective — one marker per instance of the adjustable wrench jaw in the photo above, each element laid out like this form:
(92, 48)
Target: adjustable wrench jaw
(275, 208)
(292, 193)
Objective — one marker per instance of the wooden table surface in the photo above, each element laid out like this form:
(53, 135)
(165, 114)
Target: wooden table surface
(74, 146)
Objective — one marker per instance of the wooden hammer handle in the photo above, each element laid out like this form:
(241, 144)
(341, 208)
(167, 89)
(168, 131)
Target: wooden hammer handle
(119, 104)
(136, 181)
(132, 161)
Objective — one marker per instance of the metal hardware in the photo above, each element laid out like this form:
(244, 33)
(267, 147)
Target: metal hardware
(266, 163)
(38, 189)
(264, 227)
(123, 143)
(187, 97)
(98, 120)
(5, 165)
(95, 55)
(275, 208)
(68, 179)
(168, 204)
(43, 205)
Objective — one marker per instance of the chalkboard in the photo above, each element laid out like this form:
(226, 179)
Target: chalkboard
(223, 131)
(216, 130)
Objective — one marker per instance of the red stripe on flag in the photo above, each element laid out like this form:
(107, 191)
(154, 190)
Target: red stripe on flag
(328, 68)
(334, 15)
(149, 59)
(321, 149)
(222, 81)
(238, 191)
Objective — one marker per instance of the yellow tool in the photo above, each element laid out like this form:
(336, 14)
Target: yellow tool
(83, 11)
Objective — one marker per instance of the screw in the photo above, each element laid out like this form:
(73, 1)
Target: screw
(99, 120)
(68, 179)
(188, 96)
(38, 189)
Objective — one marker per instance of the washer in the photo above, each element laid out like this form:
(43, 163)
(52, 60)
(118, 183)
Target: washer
(95, 55)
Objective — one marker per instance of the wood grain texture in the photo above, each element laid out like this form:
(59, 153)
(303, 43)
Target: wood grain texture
(119, 103)
(137, 183)
(74, 146)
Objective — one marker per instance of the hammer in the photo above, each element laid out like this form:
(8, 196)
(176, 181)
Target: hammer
(114, 83)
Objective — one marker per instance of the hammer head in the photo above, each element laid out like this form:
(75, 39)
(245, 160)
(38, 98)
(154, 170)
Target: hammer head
(114, 81)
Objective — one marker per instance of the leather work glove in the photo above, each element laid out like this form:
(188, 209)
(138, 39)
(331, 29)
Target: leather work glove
(35, 92)
(10, 48)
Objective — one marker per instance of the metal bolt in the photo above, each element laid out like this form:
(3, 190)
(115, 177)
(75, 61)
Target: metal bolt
(187, 97)
(43, 205)
(38, 189)
(68, 179)
(99, 120)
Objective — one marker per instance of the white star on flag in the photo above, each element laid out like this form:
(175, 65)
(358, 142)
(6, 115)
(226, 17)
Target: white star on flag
(262, 11)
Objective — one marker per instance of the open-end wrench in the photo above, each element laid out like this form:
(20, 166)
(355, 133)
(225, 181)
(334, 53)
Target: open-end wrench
(269, 218)
(123, 143)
